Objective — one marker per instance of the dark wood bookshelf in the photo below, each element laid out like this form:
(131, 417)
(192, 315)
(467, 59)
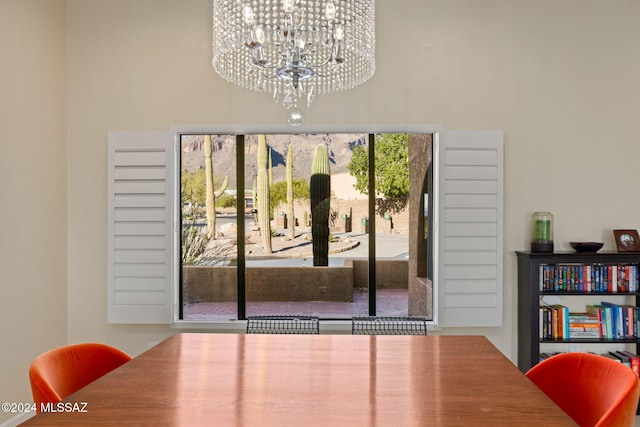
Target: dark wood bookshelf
(529, 298)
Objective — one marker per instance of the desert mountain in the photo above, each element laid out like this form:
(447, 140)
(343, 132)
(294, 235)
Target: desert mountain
(340, 147)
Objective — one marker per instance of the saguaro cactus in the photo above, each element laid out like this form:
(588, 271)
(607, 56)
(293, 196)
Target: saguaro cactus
(270, 168)
(262, 204)
(320, 189)
(291, 223)
(211, 194)
(254, 193)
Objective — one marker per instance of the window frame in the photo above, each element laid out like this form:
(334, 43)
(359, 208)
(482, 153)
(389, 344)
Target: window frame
(237, 325)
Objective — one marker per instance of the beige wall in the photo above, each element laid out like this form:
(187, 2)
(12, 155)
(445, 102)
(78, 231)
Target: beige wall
(561, 79)
(33, 188)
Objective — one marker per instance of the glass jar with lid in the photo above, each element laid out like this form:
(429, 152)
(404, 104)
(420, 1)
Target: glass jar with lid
(542, 232)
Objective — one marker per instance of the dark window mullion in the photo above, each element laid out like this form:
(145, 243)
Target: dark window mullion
(240, 223)
(178, 199)
(372, 226)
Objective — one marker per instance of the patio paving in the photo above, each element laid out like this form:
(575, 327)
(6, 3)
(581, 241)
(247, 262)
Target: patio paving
(390, 302)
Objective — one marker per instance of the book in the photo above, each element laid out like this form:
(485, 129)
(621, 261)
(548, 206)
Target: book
(623, 278)
(585, 334)
(548, 332)
(611, 356)
(583, 317)
(634, 361)
(561, 324)
(616, 319)
(623, 359)
(598, 311)
(596, 278)
(629, 315)
(584, 325)
(608, 321)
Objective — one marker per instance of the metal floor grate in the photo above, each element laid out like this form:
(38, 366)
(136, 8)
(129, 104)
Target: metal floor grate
(280, 324)
(373, 325)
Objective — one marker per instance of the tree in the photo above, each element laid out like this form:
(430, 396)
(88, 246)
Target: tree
(278, 191)
(192, 187)
(391, 171)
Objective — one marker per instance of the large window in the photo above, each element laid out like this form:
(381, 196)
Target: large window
(333, 225)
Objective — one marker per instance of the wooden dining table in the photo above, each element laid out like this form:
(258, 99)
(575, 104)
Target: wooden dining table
(312, 380)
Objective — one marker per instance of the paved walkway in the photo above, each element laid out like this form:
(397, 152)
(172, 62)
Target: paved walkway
(347, 245)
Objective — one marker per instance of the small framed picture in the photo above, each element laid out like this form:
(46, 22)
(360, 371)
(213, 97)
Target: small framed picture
(627, 240)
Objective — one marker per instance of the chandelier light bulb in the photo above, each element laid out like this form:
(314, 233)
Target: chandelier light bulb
(294, 48)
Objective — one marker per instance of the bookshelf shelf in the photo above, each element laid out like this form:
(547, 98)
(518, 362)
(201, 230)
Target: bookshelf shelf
(592, 341)
(529, 298)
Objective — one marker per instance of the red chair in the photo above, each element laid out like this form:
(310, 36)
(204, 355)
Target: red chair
(593, 390)
(60, 372)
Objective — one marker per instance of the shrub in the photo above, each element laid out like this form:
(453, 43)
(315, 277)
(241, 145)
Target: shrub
(226, 201)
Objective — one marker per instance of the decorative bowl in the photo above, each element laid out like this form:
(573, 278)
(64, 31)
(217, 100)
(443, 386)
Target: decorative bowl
(587, 246)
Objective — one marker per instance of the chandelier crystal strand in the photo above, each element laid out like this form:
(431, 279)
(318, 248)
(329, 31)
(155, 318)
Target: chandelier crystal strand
(294, 48)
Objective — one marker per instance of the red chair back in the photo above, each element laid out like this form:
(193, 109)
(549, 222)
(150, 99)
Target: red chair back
(593, 390)
(60, 372)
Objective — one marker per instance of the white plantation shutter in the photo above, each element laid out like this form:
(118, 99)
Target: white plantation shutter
(140, 227)
(470, 289)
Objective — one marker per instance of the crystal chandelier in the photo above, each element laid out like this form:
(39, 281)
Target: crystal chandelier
(294, 49)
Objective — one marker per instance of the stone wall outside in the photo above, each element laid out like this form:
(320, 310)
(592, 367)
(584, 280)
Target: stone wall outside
(219, 284)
